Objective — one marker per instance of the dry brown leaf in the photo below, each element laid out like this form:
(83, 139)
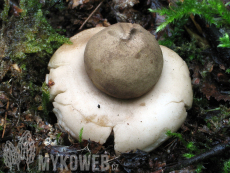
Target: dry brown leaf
(210, 89)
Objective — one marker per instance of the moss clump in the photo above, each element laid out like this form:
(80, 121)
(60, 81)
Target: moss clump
(226, 168)
(28, 40)
(213, 11)
(208, 9)
(177, 35)
(4, 13)
(186, 48)
(29, 33)
(225, 41)
(190, 146)
(220, 121)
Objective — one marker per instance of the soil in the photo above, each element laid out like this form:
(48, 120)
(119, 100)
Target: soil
(200, 145)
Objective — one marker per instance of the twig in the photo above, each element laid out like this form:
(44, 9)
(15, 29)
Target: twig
(90, 15)
(214, 151)
(7, 107)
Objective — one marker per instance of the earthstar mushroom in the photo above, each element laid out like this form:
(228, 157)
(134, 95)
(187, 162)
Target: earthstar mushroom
(123, 60)
(137, 123)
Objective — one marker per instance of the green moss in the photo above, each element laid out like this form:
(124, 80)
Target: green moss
(190, 146)
(4, 13)
(177, 41)
(29, 41)
(200, 102)
(228, 71)
(188, 155)
(177, 35)
(216, 122)
(225, 41)
(226, 168)
(31, 32)
(199, 168)
(213, 11)
(208, 9)
(58, 137)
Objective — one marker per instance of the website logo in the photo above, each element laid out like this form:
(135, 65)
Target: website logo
(25, 150)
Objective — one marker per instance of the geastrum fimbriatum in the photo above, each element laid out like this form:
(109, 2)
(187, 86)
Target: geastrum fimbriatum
(119, 79)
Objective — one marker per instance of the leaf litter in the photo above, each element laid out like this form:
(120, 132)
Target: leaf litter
(207, 125)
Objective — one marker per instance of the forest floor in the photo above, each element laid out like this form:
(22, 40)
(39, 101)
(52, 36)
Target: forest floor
(200, 145)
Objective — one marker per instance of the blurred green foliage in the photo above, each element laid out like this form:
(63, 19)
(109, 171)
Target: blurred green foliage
(208, 9)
